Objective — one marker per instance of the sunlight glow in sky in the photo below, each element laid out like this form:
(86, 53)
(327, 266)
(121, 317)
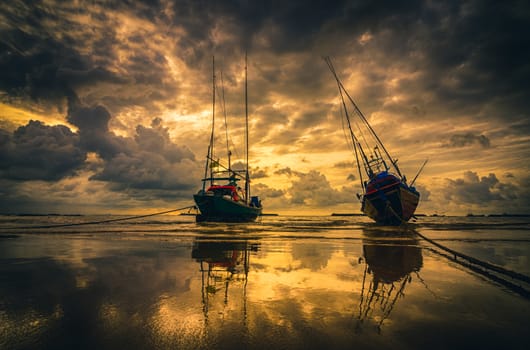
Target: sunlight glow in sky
(106, 107)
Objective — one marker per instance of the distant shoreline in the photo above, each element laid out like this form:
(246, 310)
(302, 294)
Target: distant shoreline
(347, 214)
(30, 214)
(265, 214)
(441, 215)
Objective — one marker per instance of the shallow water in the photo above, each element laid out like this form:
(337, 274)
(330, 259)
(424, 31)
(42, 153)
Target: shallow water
(281, 283)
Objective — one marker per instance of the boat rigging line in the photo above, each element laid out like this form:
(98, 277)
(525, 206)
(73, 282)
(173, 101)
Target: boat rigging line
(226, 125)
(100, 221)
(360, 114)
(354, 139)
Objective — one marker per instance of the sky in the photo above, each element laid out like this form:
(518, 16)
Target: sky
(106, 106)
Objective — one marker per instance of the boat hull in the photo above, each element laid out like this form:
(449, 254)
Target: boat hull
(393, 205)
(220, 209)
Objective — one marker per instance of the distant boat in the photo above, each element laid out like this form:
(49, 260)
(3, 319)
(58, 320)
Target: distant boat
(226, 201)
(386, 197)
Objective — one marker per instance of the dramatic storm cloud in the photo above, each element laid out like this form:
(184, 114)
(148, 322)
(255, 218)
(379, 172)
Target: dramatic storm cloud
(40, 152)
(110, 102)
(149, 162)
(475, 190)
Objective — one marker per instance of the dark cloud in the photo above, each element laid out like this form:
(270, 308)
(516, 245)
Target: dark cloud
(150, 161)
(40, 152)
(344, 165)
(313, 189)
(286, 171)
(480, 50)
(94, 131)
(472, 189)
(15, 200)
(258, 173)
(462, 140)
(36, 66)
(450, 58)
(265, 192)
(47, 57)
(306, 189)
(460, 57)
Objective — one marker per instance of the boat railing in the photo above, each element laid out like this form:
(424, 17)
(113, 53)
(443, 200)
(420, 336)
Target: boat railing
(375, 164)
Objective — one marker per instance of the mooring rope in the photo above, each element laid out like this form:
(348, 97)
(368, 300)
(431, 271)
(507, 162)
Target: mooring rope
(515, 275)
(487, 273)
(97, 222)
(498, 269)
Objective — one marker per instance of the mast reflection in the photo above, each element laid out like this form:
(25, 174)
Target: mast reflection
(223, 263)
(390, 259)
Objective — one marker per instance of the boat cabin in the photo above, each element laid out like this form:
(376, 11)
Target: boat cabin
(225, 190)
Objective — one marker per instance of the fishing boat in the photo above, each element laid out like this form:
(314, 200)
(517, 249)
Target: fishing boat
(386, 197)
(221, 199)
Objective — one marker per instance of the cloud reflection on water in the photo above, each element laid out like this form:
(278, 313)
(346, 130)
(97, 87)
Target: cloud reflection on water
(220, 291)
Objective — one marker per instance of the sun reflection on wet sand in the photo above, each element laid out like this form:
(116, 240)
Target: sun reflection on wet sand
(299, 283)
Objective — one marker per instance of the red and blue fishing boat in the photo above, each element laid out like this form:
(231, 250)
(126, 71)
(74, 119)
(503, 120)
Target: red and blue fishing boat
(387, 198)
(221, 199)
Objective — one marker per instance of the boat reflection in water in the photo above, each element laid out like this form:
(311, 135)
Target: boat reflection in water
(390, 260)
(224, 265)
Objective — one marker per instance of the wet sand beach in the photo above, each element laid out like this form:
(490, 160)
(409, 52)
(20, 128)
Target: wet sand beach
(284, 282)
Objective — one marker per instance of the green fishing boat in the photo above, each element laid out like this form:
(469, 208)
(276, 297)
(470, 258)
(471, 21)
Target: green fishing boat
(221, 199)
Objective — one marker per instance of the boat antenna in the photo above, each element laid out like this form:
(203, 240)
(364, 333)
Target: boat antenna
(419, 171)
(247, 179)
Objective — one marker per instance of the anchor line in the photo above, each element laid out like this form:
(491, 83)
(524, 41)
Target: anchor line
(481, 267)
(100, 221)
(484, 264)
(487, 274)
(470, 259)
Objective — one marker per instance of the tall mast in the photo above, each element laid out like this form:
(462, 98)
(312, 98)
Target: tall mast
(213, 121)
(247, 179)
(209, 155)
